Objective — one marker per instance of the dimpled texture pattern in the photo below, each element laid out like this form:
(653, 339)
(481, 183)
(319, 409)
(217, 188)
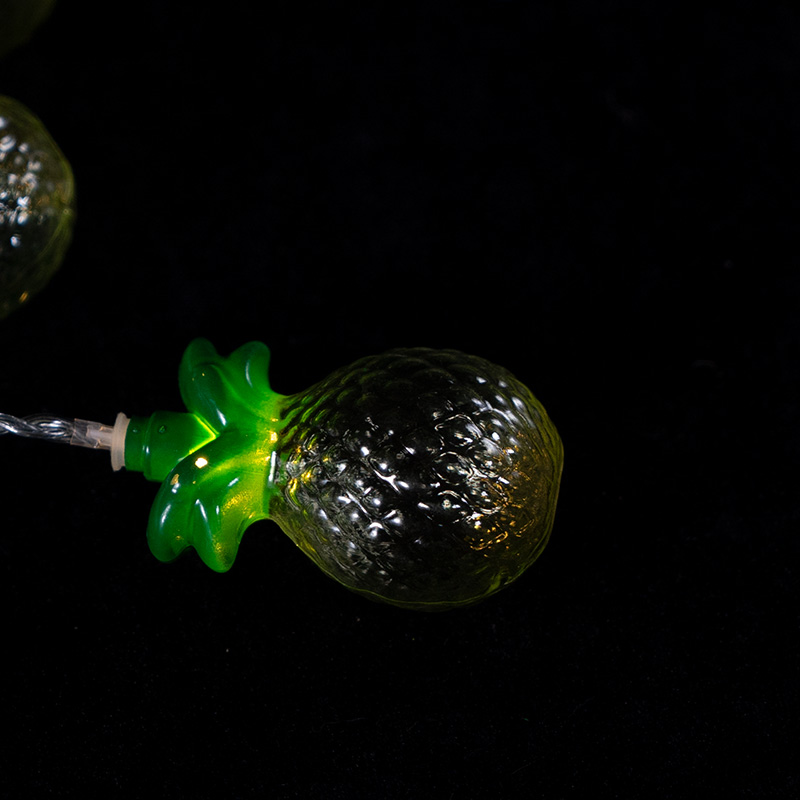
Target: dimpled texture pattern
(421, 477)
(36, 205)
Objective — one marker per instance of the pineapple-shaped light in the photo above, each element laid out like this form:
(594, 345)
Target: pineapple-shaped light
(423, 478)
(36, 205)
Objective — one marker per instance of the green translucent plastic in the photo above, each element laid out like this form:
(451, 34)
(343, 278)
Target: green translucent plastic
(214, 461)
(426, 479)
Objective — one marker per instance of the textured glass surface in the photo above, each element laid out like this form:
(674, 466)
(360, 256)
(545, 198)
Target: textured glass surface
(36, 205)
(419, 476)
(424, 478)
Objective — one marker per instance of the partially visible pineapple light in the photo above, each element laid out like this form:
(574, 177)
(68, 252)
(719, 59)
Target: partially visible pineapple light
(36, 205)
(423, 478)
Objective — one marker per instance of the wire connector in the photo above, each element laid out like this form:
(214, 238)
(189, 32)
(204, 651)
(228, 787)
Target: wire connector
(80, 432)
(97, 436)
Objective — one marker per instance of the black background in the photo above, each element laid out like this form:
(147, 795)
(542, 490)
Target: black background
(601, 197)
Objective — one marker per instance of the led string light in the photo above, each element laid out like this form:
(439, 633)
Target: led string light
(423, 478)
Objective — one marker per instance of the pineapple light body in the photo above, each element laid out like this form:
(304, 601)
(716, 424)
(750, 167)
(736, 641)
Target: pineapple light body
(423, 478)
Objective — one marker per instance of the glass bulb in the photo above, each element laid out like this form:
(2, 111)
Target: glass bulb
(36, 205)
(423, 478)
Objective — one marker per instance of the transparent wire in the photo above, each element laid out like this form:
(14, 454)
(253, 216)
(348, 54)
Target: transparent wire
(38, 426)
